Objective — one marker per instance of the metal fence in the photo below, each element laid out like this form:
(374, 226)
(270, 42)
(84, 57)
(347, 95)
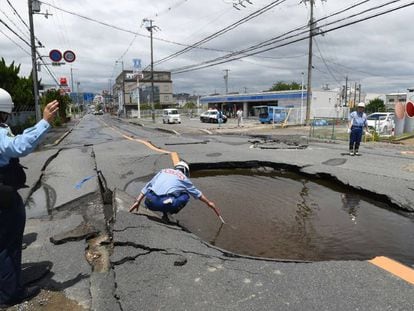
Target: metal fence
(333, 128)
(329, 128)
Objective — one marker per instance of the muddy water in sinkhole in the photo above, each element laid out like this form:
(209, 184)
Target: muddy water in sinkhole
(287, 216)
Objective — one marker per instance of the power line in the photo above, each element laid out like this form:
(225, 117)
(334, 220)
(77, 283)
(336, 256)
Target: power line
(22, 20)
(326, 65)
(223, 30)
(28, 53)
(14, 24)
(254, 50)
(117, 27)
(170, 8)
(127, 49)
(18, 15)
(15, 33)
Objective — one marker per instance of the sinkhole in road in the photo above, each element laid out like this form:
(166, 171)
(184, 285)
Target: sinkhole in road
(280, 214)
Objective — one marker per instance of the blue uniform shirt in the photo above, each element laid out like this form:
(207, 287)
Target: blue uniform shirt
(358, 118)
(171, 181)
(20, 145)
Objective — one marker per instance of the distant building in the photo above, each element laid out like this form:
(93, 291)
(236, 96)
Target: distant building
(394, 98)
(182, 99)
(162, 89)
(324, 103)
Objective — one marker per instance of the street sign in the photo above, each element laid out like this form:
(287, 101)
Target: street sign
(136, 64)
(69, 56)
(55, 55)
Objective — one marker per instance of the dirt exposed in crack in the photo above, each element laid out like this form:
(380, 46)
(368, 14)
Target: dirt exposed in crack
(48, 301)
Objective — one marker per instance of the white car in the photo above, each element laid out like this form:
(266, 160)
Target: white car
(210, 116)
(170, 116)
(382, 122)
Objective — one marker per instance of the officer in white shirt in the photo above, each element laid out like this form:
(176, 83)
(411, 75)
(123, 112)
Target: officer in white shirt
(12, 211)
(357, 121)
(169, 191)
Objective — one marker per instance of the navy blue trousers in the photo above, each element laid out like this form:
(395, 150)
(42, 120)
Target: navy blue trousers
(355, 138)
(175, 203)
(12, 223)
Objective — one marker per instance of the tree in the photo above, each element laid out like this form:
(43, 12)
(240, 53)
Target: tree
(284, 86)
(64, 101)
(375, 105)
(20, 89)
(190, 105)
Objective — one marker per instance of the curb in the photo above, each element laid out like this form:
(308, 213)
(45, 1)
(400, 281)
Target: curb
(167, 131)
(59, 140)
(206, 131)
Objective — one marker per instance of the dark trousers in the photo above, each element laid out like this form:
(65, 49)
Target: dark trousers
(12, 223)
(355, 137)
(156, 202)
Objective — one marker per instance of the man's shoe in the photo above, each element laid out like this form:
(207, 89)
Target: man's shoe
(356, 153)
(351, 153)
(32, 272)
(165, 217)
(26, 294)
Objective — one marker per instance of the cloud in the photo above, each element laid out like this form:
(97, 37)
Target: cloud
(376, 53)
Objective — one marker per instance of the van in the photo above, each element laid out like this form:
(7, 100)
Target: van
(170, 116)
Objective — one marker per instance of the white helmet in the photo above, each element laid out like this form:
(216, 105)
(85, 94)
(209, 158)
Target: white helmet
(183, 167)
(362, 105)
(6, 103)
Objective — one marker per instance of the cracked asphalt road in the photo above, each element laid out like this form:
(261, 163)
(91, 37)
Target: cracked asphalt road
(157, 266)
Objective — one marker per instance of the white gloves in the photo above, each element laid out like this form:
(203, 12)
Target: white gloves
(348, 130)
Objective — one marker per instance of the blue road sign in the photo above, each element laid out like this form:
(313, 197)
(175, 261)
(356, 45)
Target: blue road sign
(88, 97)
(55, 55)
(136, 64)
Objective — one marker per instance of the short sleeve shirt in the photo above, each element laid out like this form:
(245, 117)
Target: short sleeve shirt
(358, 118)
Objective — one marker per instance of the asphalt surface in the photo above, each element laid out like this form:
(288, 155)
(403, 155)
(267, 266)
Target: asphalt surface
(104, 258)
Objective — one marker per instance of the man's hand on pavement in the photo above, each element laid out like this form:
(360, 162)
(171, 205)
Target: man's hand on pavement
(134, 206)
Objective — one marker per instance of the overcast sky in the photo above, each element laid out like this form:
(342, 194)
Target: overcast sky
(376, 53)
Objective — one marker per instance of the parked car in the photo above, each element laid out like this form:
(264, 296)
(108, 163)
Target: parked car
(170, 116)
(319, 122)
(211, 116)
(381, 122)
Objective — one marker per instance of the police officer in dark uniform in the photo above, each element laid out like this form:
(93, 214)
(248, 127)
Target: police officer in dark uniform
(12, 211)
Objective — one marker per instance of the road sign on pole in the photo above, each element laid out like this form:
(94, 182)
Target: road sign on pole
(136, 63)
(69, 56)
(55, 55)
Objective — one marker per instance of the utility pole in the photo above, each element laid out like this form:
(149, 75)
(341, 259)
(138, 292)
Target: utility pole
(123, 85)
(34, 67)
(301, 101)
(309, 87)
(346, 91)
(77, 93)
(151, 28)
(226, 80)
(355, 89)
(71, 78)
